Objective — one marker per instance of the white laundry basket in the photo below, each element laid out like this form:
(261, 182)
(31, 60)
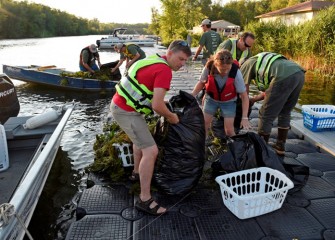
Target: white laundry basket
(254, 192)
(125, 153)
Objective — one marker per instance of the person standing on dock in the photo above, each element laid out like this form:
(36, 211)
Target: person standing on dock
(129, 52)
(280, 82)
(140, 93)
(88, 56)
(208, 42)
(239, 48)
(223, 81)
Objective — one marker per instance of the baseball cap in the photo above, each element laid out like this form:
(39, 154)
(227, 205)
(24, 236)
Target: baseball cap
(93, 48)
(206, 22)
(119, 46)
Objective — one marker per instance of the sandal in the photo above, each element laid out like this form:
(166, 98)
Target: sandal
(134, 177)
(145, 207)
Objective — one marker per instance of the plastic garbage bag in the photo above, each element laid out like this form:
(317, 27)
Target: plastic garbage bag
(182, 147)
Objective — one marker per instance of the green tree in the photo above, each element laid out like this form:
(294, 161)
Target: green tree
(154, 26)
(178, 16)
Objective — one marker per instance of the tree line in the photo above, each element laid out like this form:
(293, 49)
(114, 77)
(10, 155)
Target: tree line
(31, 20)
(310, 43)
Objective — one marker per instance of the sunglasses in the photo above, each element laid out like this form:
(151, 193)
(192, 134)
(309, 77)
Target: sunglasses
(183, 43)
(246, 45)
(223, 58)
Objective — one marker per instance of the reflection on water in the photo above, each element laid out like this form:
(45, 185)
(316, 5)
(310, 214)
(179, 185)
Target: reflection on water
(317, 91)
(55, 200)
(85, 122)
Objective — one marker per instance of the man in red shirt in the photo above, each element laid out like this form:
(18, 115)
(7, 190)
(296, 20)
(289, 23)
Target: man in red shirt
(151, 77)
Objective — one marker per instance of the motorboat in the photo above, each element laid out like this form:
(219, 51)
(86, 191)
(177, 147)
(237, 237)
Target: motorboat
(28, 147)
(59, 77)
(119, 36)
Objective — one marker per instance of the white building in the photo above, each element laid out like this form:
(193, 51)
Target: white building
(220, 26)
(296, 14)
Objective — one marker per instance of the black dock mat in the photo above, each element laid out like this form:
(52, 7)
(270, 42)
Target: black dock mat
(299, 146)
(324, 211)
(329, 177)
(320, 161)
(170, 226)
(104, 199)
(291, 222)
(105, 227)
(316, 188)
(222, 224)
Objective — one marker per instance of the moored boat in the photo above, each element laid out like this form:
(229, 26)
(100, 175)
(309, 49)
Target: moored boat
(28, 147)
(119, 36)
(57, 77)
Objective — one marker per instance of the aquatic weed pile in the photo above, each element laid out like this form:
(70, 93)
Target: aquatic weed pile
(106, 155)
(100, 75)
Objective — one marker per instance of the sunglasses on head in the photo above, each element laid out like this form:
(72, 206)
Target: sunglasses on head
(183, 43)
(223, 58)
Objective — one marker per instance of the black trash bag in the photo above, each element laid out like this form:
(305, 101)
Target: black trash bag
(298, 174)
(106, 68)
(182, 147)
(217, 127)
(249, 150)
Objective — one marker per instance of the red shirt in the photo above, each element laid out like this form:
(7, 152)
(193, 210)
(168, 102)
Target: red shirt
(158, 75)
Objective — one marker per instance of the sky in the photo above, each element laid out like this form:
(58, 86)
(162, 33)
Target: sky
(106, 11)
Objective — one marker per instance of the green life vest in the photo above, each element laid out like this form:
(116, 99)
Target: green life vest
(263, 64)
(127, 53)
(244, 54)
(137, 95)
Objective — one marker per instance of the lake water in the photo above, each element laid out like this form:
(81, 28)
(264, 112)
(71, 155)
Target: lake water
(55, 210)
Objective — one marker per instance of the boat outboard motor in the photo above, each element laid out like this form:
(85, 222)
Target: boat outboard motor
(9, 103)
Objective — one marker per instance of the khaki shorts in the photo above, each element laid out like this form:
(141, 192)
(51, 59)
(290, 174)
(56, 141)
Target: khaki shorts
(134, 125)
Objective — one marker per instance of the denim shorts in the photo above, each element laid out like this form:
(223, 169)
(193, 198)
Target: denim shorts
(227, 109)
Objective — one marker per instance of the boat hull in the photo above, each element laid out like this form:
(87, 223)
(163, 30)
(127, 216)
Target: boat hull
(108, 43)
(52, 77)
(30, 186)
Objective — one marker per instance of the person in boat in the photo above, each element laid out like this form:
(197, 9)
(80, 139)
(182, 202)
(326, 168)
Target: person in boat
(88, 57)
(239, 48)
(129, 52)
(208, 42)
(280, 82)
(223, 80)
(153, 76)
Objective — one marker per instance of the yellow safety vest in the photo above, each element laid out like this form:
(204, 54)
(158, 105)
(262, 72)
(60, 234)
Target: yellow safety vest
(137, 95)
(263, 64)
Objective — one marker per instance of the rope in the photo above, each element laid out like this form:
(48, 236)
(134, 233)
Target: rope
(6, 212)
(155, 219)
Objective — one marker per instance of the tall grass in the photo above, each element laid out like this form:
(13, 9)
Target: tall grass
(311, 44)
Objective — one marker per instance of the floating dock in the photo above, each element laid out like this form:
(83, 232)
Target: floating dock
(106, 210)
